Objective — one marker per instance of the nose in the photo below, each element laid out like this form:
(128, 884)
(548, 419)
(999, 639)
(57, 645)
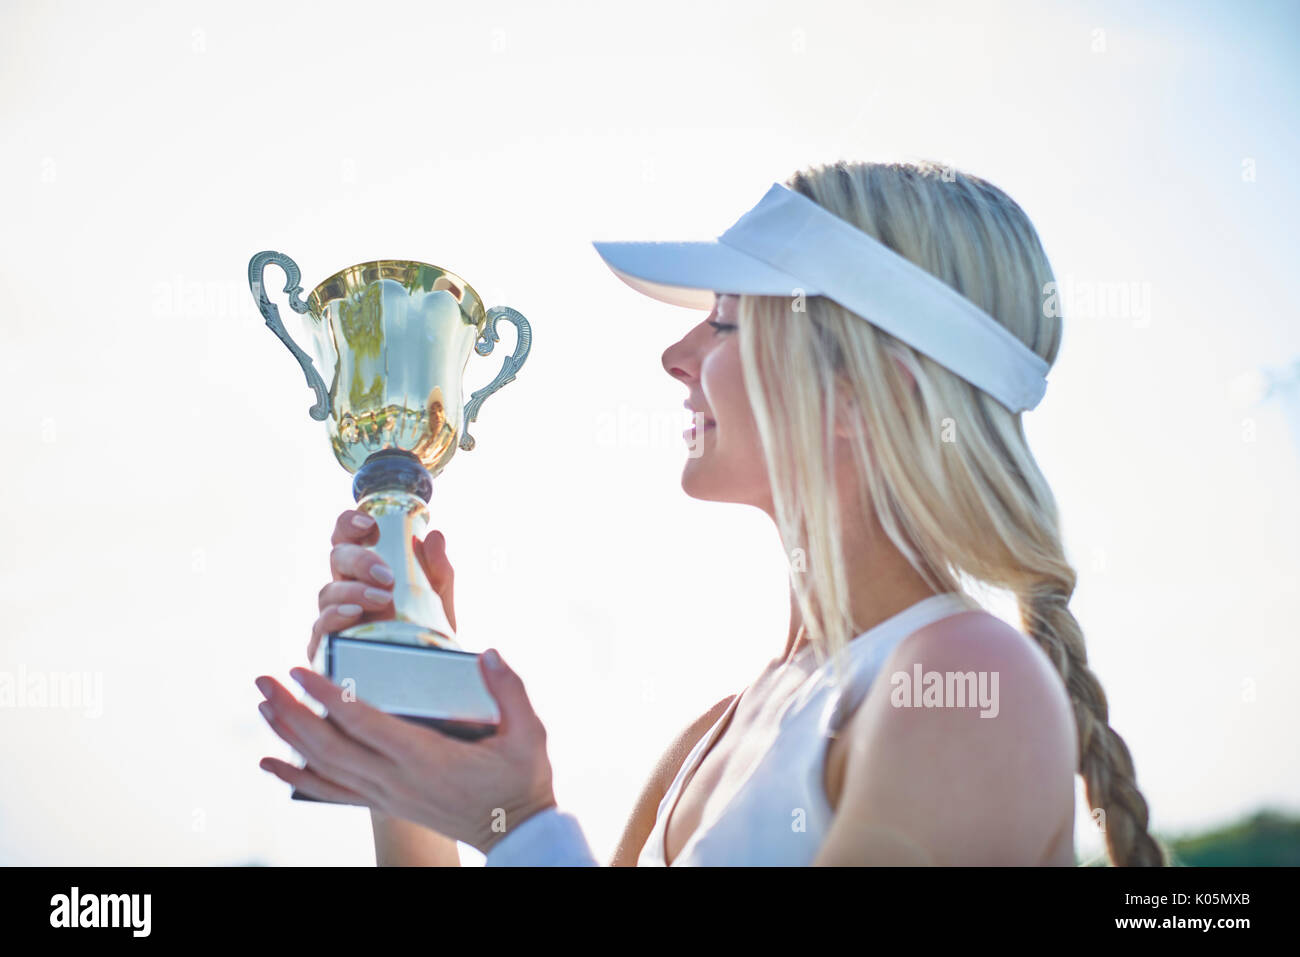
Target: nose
(678, 360)
(681, 360)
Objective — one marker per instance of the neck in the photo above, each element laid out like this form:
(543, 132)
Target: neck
(881, 584)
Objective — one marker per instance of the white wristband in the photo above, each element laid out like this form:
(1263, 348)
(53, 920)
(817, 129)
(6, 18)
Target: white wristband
(549, 838)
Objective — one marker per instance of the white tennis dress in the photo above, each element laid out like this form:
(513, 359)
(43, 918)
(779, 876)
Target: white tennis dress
(780, 814)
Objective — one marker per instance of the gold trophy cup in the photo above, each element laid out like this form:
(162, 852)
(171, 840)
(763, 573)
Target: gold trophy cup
(395, 337)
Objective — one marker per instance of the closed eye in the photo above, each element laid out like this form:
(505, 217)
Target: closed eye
(722, 326)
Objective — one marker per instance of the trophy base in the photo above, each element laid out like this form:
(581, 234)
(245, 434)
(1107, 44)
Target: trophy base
(438, 688)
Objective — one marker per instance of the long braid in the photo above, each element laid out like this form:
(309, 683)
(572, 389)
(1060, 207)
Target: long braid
(1104, 760)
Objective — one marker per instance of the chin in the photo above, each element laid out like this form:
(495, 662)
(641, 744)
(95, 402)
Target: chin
(700, 481)
(709, 483)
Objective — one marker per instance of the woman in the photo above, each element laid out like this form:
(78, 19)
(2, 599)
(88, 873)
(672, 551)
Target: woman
(849, 382)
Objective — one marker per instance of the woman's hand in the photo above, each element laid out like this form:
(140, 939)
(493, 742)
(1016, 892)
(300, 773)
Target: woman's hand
(470, 791)
(361, 588)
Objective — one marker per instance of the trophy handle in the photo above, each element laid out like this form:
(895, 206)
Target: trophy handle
(256, 267)
(484, 347)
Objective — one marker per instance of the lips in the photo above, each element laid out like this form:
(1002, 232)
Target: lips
(701, 423)
(704, 425)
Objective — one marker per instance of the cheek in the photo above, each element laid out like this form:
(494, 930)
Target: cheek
(729, 466)
(723, 382)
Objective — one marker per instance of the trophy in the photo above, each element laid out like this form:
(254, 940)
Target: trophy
(395, 338)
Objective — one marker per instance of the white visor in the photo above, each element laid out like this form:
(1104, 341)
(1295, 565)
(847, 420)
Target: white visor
(788, 245)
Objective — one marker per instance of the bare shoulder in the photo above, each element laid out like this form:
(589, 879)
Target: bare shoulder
(642, 820)
(675, 754)
(982, 643)
(964, 749)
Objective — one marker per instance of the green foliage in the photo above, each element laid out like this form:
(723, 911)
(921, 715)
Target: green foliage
(1265, 839)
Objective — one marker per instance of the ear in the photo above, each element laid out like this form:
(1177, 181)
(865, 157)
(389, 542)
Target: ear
(907, 373)
(846, 407)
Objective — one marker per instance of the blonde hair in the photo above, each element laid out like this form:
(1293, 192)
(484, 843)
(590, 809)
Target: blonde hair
(947, 470)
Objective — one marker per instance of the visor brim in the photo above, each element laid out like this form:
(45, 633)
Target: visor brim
(688, 274)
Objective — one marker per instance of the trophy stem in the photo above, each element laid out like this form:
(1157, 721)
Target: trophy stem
(393, 487)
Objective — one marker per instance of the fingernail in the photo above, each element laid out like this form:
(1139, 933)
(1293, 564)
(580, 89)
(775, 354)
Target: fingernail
(296, 674)
(381, 574)
(492, 659)
(362, 521)
(349, 611)
(264, 686)
(267, 711)
(379, 595)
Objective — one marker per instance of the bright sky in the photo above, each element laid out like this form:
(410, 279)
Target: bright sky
(169, 502)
